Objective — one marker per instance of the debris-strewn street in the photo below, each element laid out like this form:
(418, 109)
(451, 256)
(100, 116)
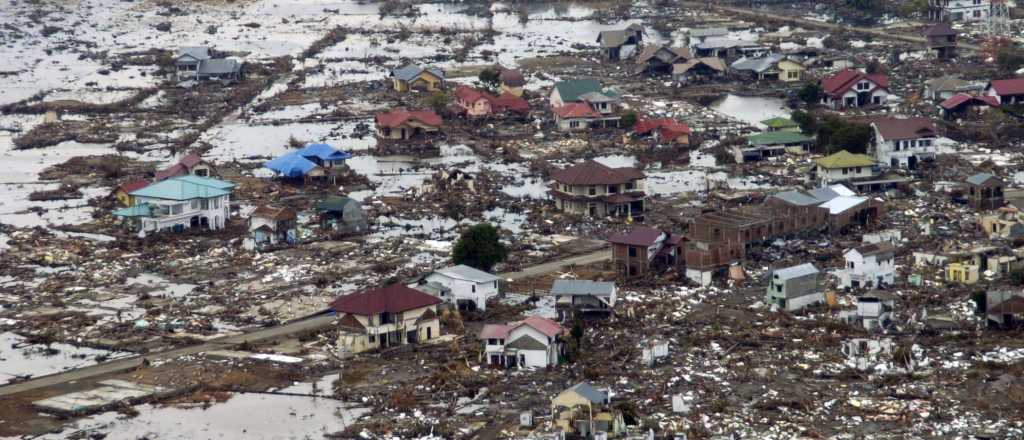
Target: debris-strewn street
(537, 220)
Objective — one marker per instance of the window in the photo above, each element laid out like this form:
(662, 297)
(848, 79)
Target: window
(846, 171)
(371, 338)
(793, 75)
(216, 203)
(386, 131)
(632, 251)
(387, 318)
(204, 204)
(574, 124)
(613, 189)
(863, 85)
(195, 204)
(858, 170)
(925, 142)
(851, 265)
(778, 288)
(630, 185)
(176, 209)
(592, 190)
(492, 341)
(473, 288)
(495, 284)
(977, 14)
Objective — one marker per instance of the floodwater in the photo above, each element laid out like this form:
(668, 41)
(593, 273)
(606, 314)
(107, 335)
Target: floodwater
(35, 360)
(248, 416)
(751, 109)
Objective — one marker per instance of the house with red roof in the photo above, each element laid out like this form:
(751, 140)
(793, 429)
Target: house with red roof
(534, 342)
(849, 88)
(123, 191)
(476, 102)
(903, 142)
(402, 124)
(1006, 91)
(643, 249)
(961, 104)
(575, 116)
(385, 317)
(664, 130)
(597, 190)
(189, 164)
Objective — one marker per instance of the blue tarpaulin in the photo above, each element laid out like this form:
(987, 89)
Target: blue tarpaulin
(290, 165)
(323, 152)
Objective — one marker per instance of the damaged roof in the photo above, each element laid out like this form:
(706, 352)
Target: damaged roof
(892, 129)
(398, 117)
(582, 287)
(395, 298)
(981, 178)
(638, 236)
(274, 213)
(874, 249)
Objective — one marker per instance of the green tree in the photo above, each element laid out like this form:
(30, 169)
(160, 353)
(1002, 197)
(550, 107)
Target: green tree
(807, 122)
(1010, 59)
(811, 93)
(490, 78)
(628, 120)
(479, 247)
(438, 101)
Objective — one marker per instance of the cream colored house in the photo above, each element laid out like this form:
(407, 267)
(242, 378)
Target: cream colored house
(585, 410)
(791, 70)
(385, 317)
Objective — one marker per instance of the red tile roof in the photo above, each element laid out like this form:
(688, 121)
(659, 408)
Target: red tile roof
(496, 331)
(1008, 86)
(843, 80)
(395, 298)
(638, 236)
(510, 102)
(576, 110)
(595, 173)
(909, 128)
(471, 95)
(171, 171)
(668, 128)
(397, 117)
(546, 326)
(133, 185)
(190, 160)
(960, 98)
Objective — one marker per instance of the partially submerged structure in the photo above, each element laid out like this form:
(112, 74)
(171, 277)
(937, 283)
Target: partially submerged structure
(272, 225)
(342, 214)
(614, 42)
(402, 124)
(198, 63)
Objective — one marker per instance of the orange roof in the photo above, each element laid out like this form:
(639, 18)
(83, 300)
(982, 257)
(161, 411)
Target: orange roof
(576, 110)
(399, 116)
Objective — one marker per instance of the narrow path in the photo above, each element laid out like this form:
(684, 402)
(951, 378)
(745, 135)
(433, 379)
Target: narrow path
(311, 324)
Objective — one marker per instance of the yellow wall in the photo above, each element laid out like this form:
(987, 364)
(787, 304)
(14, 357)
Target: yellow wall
(516, 91)
(787, 66)
(962, 273)
(124, 198)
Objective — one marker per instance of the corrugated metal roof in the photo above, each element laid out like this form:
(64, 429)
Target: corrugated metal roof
(841, 204)
(467, 273)
(582, 287)
(778, 138)
(587, 391)
(186, 188)
(219, 66)
(980, 178)
(795, 271)
(759, 64)
(797, 198)
(197, 52)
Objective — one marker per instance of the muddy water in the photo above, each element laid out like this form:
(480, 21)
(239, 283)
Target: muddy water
(751, 110)
(18, 359)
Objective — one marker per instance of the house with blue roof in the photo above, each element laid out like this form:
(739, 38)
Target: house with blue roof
(312, 161)
(179, 203)
(411, 76)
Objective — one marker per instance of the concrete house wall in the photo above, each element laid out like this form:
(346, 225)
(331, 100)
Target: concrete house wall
(466, 290)
(867, 271)
(181, 213)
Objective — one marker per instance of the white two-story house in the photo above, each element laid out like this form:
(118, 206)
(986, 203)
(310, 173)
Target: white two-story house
(594, 189)
(534, 342)
(870, 265)
(959, 10)
(464, 286)
(850, 88)
(903, 142)
(179, 203)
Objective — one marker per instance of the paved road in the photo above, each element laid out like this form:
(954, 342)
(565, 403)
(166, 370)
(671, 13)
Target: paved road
(311, 324)
(541, 269)
(881, 33)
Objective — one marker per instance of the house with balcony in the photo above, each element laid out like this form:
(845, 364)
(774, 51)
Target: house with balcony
(869, 265)
(583, 297)
(857, 171)
(534, 342)
(985, 191)
(941, 40)
(644, 249)
(413, 77)
(849, 88)
(903, 142)
(597, 190)
(179, 203)
(385, 317)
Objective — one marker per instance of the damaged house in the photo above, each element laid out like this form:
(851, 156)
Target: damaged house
(958, 10)
(844, 207)
(402, 124)
(644, 249)
(271, 225)
(1003, 308)
(869, 265)
(534, 342)
(512, 82)
(859, 171)
(579, 104)
(586, 411)
(342, 214)
(875, 310)
(793, 288)
(597, 190)
(465, 287)
(985, 191)
(903, 143)
(699, 70)
(771, 144)
(413, 77)
(123, 191)
(657, 60)
(1006, 91)
(614, 43)
(189, 164)
(198, 63)
(385, 317)
(575, 298)
(665, 130)
(314, 161)
(179, 203)
(961, 105)
(849, 88)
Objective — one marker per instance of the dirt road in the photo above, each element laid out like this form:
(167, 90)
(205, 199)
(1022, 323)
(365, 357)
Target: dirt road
(312, 324)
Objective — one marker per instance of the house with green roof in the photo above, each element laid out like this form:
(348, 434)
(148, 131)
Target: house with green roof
(581, 103)
(774, 143)
(178, 203)
(858, 171)
(781, 124)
